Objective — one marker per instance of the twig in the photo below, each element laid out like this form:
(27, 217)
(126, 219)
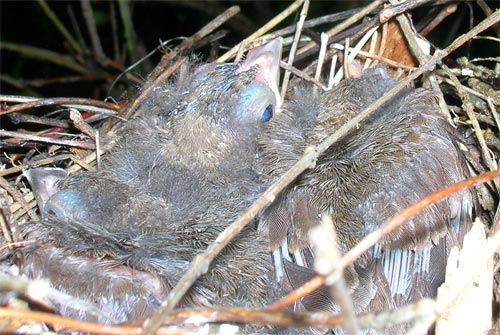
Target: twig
(80, 124)
(355, 51)
(293, 49)
(331, 74)
(365, 54)
(190, 320)
(443, 14)
(415, 48)
(114, 33)
(467, 106)
(315, 22)
(18, 198)
(80, 103)
(28, 118)
(29, 199)
(92, 29)
(306, 288)
(241, 23)
(264, 29)
(354, 33)
(371, 50)
(15, 244)
(34, 138)
(44, 55)
(347, 60)
(60, 26)
(399, 8)
(98, 151)
(324, 241)
(50, 160)
(302, 75)
(5, 218)
(321, 57)
(372, 238)
(346, 23)
(493, 111)
(126, 16)
(207, 29)
(51, 319)
(487, 10)
(383, 39)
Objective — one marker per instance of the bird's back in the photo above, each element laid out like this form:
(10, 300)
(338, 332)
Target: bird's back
(401, 153)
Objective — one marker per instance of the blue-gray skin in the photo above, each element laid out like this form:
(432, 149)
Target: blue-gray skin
(183, 169)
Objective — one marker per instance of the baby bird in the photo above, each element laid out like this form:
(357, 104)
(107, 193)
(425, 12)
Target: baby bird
(403, 152)
(183, 169)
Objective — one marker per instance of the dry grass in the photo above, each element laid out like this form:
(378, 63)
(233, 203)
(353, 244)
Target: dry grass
(470, 99)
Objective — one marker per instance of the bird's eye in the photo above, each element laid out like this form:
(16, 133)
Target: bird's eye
(267, 114)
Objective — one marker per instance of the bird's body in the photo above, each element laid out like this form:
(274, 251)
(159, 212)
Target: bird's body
(121, 237)
(403, 152)
(203, 148)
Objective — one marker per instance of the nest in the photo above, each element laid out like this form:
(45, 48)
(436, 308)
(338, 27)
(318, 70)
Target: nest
(73, 133)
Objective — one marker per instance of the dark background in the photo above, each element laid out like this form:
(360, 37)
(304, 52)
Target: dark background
(24, 22)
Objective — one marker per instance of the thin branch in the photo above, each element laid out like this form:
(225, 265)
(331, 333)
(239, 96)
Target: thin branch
(80, 103)
(27, 118)
(487, 10)
(80, 124)
(467, 106)
(60, 26)
(293, 49)
(323, 239)
(187, 43)
(34, 138)
(315, 22)
(369, 55)
(19, 200)
(443, 14)
(302, 75)
(346, 23)
(264, 29)
(371, 239)
(88, 14)
(192, 320)
(399, 8)
(44, 55)
(126, 16)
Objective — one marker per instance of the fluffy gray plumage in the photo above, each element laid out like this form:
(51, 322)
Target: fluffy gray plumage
(200, 151)
(403, 152)
(183, 169)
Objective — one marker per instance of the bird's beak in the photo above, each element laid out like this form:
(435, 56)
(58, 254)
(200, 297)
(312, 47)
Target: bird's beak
(267, 57)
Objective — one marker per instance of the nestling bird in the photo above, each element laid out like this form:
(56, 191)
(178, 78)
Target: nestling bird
(183, 169)
(403, 152)
(202, 148)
